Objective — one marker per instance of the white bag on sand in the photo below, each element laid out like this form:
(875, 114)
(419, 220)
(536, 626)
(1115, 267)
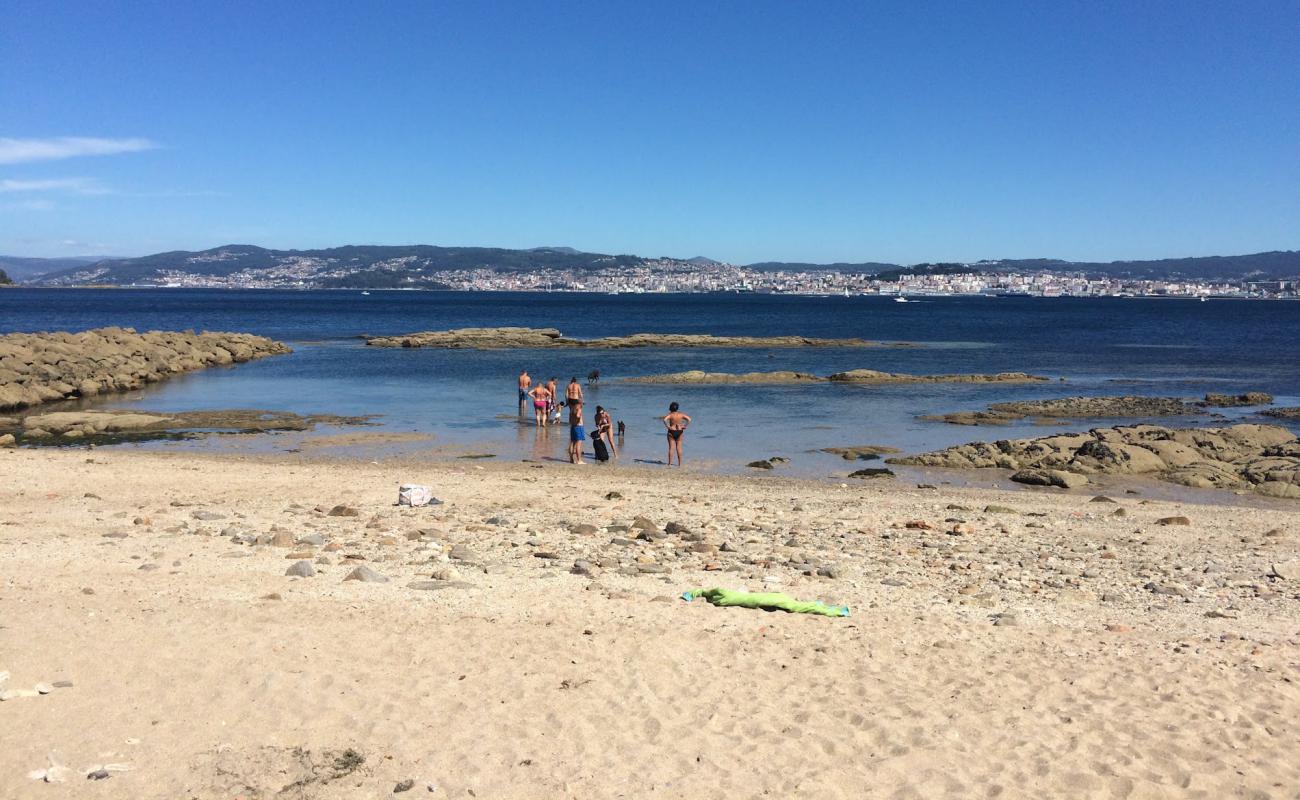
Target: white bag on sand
(413, 494)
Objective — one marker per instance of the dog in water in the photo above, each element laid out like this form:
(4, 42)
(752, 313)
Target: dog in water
(622, 429)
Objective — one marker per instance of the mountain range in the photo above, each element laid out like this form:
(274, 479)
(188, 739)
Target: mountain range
(380, 266)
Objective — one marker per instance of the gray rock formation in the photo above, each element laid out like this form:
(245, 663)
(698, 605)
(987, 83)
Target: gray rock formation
(41, 367)
(1261, 458)
(1071, 408)
(510, 338)
(857, 376)
(1236, 400)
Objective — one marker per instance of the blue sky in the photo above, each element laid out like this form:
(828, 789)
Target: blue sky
(859, 131)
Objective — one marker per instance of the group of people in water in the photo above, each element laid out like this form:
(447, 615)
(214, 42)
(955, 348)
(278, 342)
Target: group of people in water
(544, 397)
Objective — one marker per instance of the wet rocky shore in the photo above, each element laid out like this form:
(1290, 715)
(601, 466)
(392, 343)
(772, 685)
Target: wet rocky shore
(529, 338)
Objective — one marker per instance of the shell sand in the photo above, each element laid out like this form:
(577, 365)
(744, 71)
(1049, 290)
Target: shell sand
(528, 641)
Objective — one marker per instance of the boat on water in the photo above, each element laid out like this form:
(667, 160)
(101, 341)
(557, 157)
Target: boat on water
(366, 293)
(900, 299)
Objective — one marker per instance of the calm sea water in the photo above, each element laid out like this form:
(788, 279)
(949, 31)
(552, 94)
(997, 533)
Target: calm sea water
(467, 399)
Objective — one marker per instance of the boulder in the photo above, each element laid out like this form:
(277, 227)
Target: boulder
(1050, 477)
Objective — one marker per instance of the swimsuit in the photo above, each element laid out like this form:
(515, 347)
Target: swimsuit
(676, 433)
(577, 434)
(539, 404)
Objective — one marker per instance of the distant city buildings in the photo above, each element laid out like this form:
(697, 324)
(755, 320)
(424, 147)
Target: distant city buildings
(671, 275)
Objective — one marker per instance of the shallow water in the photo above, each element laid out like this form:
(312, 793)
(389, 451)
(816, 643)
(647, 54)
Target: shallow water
(467, 399)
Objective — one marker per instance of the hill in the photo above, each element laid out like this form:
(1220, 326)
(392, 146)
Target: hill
(1272, 265)
(22, 268)
(349, 266)
(864, 268)
(4, 279)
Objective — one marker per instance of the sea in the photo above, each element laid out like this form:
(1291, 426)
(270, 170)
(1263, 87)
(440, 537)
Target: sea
(450, 403)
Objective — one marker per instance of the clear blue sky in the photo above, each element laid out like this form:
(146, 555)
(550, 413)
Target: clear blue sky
(903, 132)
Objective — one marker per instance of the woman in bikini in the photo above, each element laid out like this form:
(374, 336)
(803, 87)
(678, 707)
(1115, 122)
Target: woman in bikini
(676, 422)
(540, 399)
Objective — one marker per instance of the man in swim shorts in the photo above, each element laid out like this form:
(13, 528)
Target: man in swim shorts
(524, 382)
(540, 400)
(577, 434)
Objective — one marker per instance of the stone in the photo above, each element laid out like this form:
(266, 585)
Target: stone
(584, 530)
(365, 575)
(1049, 477)
(282, 539)
(460, 552)
(312, 539)
(207, 516)
(343, 511)
(614, 496)
(446, 574)
(1173, 521)
(676, 528)
(996, 509)
(1288, 570)
(403, 786)
(1101, 498)
(300, 569)
(761, 464)
(872, 472)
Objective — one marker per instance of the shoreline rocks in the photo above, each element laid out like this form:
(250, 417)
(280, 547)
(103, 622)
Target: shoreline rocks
(64, 427)
(1237, 400)
(1260, 458)
(1290, 412)
(857, 376)
(529, 338)
(37, 368)
(1109, 407)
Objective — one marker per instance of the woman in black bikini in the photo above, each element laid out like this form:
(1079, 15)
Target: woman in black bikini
(676, 422)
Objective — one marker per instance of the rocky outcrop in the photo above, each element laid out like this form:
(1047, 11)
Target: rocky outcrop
(855, 376)
(1262, 458)
(874, 376)
(1237, 400)
(1070, 408)
(65, 427)
(1290, 412)
(697, 376)
(861, 452)
(525, 338)
(40, 367)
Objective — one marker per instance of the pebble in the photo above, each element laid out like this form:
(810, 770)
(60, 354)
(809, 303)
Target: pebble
(343, 511)
(1173, 521)
(207, 516)
(301, 569)
(460, 552)
(365, 575)
(403, 786)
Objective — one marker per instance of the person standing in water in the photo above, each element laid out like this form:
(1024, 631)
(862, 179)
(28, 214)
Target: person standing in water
(605, 428)
(540, 404)
(553, 402)
(577, 434)
(676, 422)
(525, 381)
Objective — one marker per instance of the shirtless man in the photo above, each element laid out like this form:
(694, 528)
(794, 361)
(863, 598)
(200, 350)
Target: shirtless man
(541, 399)
(574, 391)
(676, 422)
(577, 434)
(524, 382)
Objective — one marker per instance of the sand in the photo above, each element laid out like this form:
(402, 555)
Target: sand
(1012, 658)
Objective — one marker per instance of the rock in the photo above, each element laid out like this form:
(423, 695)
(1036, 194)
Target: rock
(676, 529)
(613, 496)
(403, 786)
(1163, 589)
(1116, 627)
(312, 540)
(760, 464)
(1173, 521)
(1287, 570)
(1119, 512)
(1006, 619)
(1236, 400)
(460, 552)
(641, 523)
(870, 472)
(365, 575)
(533, 338)
(582, 568)
(300, 569)
(282, 539)
(446, 574)
(1049, 477)
(207, 516)
(344, 511)
(1101, 498)
(861, 452)
(996, 509)
(919, 525)
(584, 530)
(7, 440)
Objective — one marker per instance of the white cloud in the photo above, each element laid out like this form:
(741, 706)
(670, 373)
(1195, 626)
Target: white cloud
(70, 185)
(19, 151)
(28, 205)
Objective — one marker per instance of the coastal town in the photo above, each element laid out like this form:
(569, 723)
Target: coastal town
(663, 275)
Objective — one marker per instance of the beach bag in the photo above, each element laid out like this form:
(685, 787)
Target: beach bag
(602, 452)
(413, 494)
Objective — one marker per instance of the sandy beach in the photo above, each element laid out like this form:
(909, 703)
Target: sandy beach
(530, 641)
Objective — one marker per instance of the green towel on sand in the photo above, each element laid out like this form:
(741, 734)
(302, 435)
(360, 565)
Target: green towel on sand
(773, 600)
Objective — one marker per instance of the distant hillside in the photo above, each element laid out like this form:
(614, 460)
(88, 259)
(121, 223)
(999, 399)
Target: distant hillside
(349, 266)
(21, 268)
(4, 279)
